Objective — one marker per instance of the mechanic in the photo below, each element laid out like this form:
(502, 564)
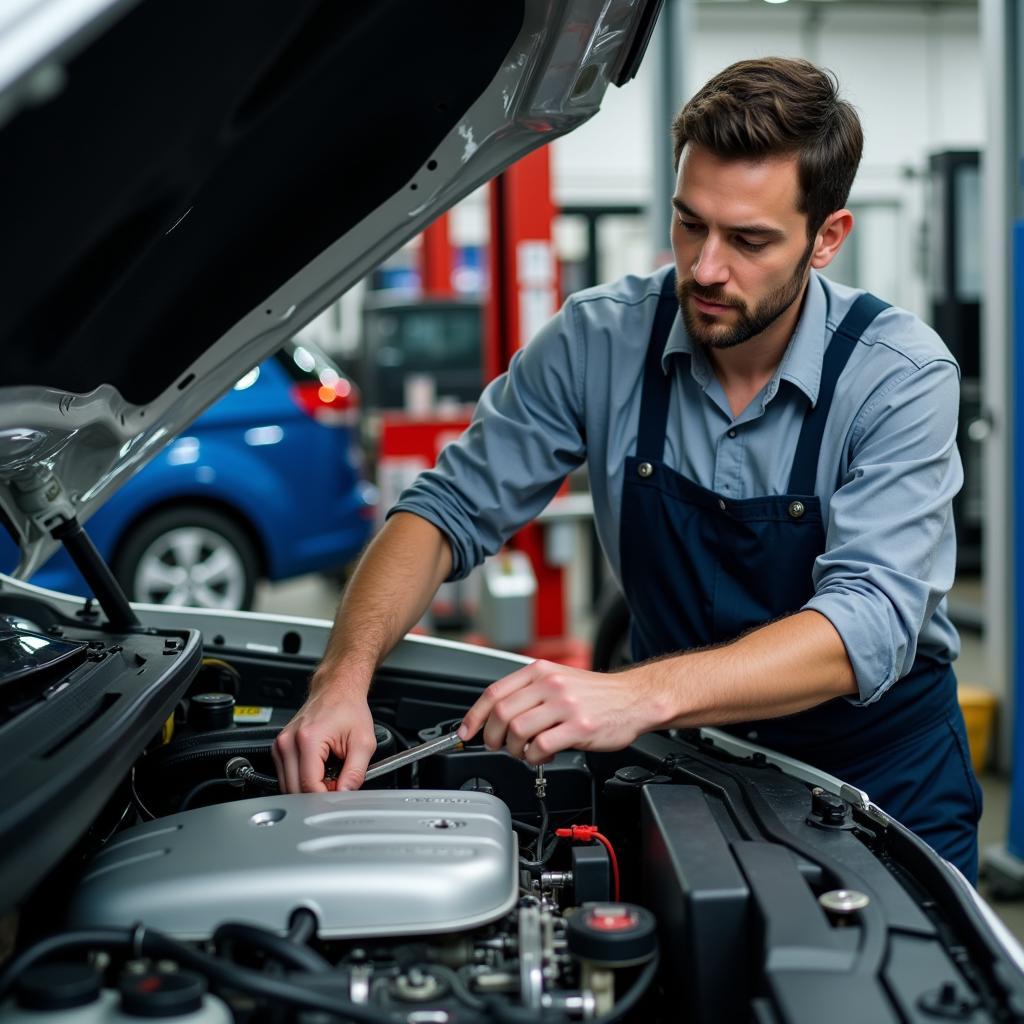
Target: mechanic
(772, 472)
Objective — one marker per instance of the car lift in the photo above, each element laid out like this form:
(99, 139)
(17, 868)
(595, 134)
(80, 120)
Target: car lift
(523, 295)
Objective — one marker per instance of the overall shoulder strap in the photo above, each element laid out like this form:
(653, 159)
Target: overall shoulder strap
(847, 334)
(650, 442)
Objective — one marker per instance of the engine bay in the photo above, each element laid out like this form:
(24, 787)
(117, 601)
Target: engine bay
(684, 878)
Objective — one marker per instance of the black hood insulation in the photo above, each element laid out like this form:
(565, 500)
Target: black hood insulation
(237, 141)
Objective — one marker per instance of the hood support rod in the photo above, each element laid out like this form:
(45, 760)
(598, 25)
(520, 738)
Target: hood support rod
(98, 576)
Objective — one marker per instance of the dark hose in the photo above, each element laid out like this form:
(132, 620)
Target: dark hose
(155, 944)
(301, 958)
(633, 995)
(302, 926)
(201, 788)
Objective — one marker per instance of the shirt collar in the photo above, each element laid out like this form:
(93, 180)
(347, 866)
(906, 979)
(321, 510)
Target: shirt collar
(801, 363)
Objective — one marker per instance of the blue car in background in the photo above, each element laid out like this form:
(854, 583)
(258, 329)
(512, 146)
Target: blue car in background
(266, 484)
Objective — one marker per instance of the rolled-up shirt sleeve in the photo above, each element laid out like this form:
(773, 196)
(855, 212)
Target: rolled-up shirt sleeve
(525, 437)
(884, 571)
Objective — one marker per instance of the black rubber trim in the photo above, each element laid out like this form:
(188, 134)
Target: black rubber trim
(631, 62)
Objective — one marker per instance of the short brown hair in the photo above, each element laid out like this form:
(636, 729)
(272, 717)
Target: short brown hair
(773, 107)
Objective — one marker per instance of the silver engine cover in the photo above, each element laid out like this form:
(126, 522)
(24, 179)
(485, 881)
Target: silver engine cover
(383, 862)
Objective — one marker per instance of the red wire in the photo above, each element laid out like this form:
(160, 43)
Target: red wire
(615, 863)
(584, 834)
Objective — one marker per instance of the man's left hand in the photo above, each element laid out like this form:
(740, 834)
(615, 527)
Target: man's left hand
(544, 708)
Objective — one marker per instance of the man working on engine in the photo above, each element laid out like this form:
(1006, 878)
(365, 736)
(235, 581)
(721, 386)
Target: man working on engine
(772, 459)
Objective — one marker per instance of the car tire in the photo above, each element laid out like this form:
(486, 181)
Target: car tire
(188, 556)
(612, 635)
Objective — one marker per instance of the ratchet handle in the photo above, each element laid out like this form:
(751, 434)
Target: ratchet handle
(451, 741)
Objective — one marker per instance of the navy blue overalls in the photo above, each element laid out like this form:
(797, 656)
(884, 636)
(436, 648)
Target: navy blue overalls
(700, 568)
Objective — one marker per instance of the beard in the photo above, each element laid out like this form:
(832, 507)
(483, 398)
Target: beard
(706, 328)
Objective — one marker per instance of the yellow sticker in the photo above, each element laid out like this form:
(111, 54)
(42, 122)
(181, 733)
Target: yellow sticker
(252, 715)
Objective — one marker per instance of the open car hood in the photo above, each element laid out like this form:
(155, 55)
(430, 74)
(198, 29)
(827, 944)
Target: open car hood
(188, 184)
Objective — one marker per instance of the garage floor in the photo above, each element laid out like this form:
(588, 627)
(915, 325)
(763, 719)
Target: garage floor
(317, 597)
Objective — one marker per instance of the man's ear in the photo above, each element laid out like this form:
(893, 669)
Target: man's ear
(830, 237)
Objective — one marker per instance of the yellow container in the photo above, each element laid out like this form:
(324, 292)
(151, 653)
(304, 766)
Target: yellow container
(979, 708)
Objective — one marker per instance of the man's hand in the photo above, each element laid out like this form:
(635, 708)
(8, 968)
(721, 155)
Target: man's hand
(544, 708)
(787, 666)
(327, 723)
(389, 591)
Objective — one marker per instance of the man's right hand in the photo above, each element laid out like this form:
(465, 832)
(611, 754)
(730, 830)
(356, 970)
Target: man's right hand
(328, 723)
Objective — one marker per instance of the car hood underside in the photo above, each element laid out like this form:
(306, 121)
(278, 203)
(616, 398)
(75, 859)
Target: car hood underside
(194, 182)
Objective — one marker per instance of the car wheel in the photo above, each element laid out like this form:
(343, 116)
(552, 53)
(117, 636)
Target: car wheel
(611, 638)
(188, 556)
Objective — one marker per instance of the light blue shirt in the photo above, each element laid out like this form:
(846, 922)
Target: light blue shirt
(887, 471)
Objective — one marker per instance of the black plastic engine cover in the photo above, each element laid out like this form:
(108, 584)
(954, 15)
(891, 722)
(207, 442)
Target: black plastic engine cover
(567, 778)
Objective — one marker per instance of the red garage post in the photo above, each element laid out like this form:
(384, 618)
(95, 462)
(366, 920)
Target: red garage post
(523, 295)
(436, 259)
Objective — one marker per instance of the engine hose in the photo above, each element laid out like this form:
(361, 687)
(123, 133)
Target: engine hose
(219, 746)
(143, 942)
(633, 994)
(219, 753)
(457, 984)
(302, 925)
(195, 791)
(239, 770)
(291, 954)
(216, 755)
(538, 849)
(506, 1013)
(541, 854)
(233, 734)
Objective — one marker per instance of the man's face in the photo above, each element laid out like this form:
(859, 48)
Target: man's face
(740, 244)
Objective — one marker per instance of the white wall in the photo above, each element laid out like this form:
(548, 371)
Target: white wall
(914, 75)
(608, 159)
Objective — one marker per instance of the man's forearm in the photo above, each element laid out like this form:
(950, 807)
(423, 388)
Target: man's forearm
(784, 667)
(388, 593)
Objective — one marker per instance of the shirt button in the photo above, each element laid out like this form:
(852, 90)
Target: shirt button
(721, 504)
(796, 509)
(732, 433)
(645, 469)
